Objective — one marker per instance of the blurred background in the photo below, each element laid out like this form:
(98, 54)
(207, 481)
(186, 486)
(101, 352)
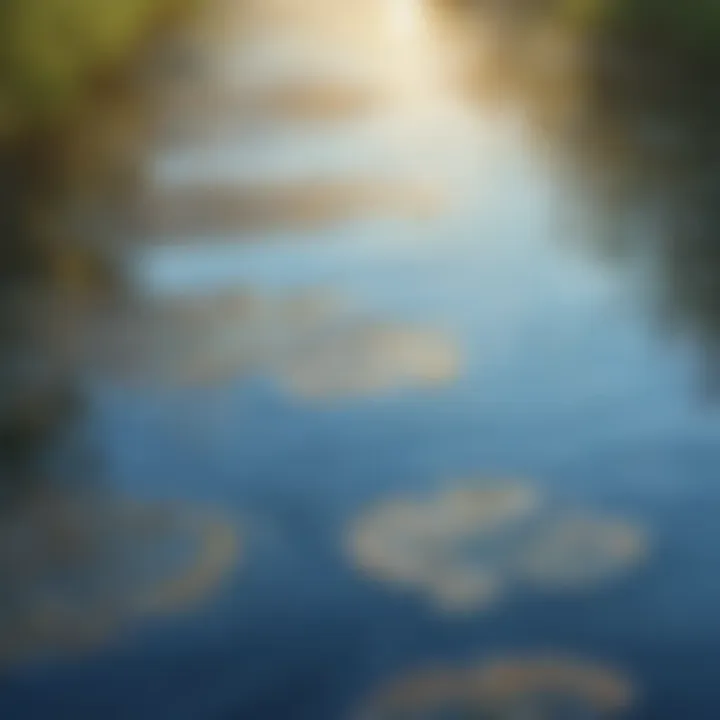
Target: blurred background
(359, 360)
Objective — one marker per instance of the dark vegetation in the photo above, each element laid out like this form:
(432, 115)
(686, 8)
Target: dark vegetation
(54, 53)
(64, 68)
(69, 131)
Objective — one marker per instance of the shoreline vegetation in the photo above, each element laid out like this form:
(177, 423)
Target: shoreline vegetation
(68, 108)
(691, 27)
(56, 54)
(670, 48)
(72, 125)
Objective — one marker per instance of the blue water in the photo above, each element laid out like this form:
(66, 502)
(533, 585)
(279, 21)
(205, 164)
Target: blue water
(565, 381)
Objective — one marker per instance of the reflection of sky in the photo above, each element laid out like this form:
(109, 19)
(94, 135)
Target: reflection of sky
(474, 543)
(486, 270)
(396, 144)
(563, 383)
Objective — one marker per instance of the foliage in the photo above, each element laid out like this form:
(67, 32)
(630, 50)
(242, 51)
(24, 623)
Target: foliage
(51, 51)
(691, 26)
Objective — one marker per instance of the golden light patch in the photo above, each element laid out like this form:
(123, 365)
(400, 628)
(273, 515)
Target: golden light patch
(542, 687)
(368, 358)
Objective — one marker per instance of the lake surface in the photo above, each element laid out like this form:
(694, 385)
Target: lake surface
(357, 291)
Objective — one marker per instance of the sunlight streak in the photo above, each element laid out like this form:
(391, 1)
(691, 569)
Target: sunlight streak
(406, 19)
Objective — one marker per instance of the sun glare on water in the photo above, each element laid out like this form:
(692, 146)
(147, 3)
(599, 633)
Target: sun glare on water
(406, 18)
(414, 63)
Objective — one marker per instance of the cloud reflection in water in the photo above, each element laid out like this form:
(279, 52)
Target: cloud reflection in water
(419, 542)
(538, 687)
(366, 358)
(305, 341)
(581, 551)
(467, 547)
(78, 570)
(241, 210)
(195, 340)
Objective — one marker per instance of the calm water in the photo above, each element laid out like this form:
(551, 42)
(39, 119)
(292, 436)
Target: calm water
(353, 284)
